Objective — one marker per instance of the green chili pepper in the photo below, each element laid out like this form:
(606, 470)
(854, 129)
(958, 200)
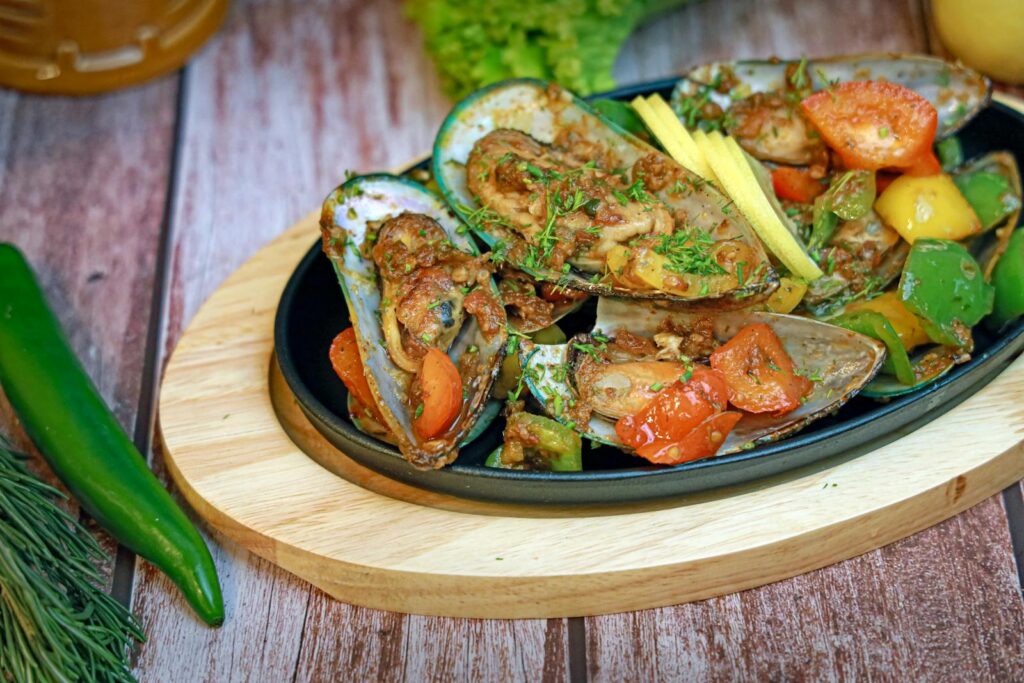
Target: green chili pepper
(877, 326)
(1008, 279)
(622, 114)
(951, 154)
(989, 194)
(85, 446)
(558, 446)
(944, 286)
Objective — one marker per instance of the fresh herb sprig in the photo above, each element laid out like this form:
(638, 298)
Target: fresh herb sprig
(56, 623)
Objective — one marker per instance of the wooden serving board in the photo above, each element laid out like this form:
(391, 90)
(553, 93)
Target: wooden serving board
(249, 462)
(370, 541)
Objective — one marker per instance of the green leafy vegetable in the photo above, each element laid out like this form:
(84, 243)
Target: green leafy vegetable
(621, 114)
(573, 42)
(56, 623)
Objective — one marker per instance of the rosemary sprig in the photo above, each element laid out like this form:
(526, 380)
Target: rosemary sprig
(56, 623)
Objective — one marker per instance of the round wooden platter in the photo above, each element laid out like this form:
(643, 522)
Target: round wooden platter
(250, 463)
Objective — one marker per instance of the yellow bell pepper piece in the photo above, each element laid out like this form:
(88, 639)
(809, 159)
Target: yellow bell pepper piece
(927, 206)
(906, 324)
(787, 296)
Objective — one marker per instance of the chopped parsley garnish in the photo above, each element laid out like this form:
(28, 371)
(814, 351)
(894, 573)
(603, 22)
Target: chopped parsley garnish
(688, 252)
(638, 192)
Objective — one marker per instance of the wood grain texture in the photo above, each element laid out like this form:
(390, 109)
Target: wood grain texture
(279, 105)
(83, 184)
(737, 29)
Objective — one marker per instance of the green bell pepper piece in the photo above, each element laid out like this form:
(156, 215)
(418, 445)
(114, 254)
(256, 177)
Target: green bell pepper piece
(823, 224)
(494, 459)
(877, 326)
(944, 286)
(989, 194)
(850, 197)
(1008, 279)
(559, 446)
(621, 114)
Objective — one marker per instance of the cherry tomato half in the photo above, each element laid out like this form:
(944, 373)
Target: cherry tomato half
(759, 372)
(703, 441)
(795, 184)
(441, 391)
(676, 410)
(873, 124)
(348, 366)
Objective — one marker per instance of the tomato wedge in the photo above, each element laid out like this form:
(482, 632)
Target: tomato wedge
(703, 441)
(873, 124)
(441, 392)
(676, 410)
(348, 366)
(759, 372)
(795, 184)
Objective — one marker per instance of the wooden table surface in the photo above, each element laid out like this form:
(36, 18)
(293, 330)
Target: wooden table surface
(134, 206)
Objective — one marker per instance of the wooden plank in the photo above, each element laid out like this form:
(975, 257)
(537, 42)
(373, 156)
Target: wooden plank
(281, 103)
(945, 600)
(736, 29)
(82, 191)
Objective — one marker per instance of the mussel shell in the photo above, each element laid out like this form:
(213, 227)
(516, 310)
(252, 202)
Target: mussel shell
(542, 110)
(886, 386)
(844, 361)
(958, 93)
(370, 426)
(346, 215)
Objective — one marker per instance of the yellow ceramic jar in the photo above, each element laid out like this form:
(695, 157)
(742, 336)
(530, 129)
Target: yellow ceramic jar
(80, 47)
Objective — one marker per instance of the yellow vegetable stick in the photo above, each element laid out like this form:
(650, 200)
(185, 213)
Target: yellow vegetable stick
(700, 139)
(675, 128)
(672, 146)
(731, 166)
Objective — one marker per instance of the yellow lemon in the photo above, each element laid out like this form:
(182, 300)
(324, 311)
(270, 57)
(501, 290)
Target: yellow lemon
(987, 35)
